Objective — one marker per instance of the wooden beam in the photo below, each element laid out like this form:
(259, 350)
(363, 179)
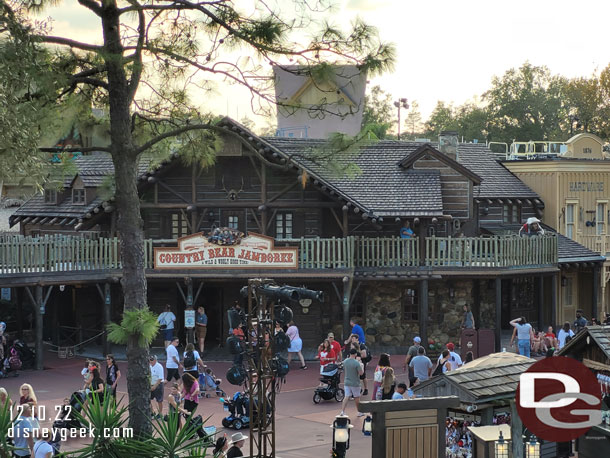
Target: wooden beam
(498, 330)
(339, 222)
(264, 222)
(200, 222)
(255, 167)
(197, 293)
(345, 221)
(283, 191)
(270, 220)
(256, 220)
(242, 204)
(423, 311)
(172, 191)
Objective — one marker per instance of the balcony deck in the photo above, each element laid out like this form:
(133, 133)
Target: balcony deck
(54, 256)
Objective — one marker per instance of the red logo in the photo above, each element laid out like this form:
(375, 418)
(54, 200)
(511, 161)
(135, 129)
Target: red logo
(558, 399)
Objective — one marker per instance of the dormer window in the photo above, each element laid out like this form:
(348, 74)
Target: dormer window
(50, 196)
(78, 196)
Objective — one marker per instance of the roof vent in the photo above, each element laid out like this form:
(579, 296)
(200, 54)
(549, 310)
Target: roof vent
(448, 143)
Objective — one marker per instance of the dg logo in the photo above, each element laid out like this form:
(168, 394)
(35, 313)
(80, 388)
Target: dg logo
(558, 399)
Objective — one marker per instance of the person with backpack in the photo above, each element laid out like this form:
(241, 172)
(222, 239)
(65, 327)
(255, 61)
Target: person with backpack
(454, 359)
(382, 366)
(443, 364)
(166, 324)
(192, 361)
(365, 358)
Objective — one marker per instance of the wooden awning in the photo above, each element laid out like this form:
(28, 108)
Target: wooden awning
(490, 433)
(595, 365)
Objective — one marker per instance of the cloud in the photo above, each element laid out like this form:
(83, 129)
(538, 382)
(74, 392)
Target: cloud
(366, 5)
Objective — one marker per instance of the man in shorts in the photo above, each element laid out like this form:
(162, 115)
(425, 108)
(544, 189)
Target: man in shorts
(353, 370)
(172, 364)
(156, 385)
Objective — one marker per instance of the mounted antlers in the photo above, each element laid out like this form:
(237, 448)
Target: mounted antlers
(232, 194)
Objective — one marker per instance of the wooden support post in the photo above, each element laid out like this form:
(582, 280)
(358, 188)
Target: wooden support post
(540, 303)
(423, 229)
(423, 312)
(347, 300)
(476, 305)
(345, 221)
(554, 301)
(107, 317)
(39, 312)
(498, 314)
(595, 291)
(516, 431)
(264, 198)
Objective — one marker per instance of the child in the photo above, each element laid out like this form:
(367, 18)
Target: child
(401, 388)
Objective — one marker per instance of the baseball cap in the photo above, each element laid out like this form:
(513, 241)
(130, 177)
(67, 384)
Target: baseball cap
(152, 357)
(450, 346)
(417, 339)
(330, 334)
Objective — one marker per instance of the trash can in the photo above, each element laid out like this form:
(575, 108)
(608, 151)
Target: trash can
(470, 342)
(487, 342)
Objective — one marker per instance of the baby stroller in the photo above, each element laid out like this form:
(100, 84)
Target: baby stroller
(26, 355)
(67, 417)
(12, 363)
(209, 382)
(331, 377)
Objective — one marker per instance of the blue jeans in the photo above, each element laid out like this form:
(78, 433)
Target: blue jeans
(524, 347)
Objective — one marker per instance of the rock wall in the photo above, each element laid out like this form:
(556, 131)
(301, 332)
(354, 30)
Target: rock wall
(446, 298)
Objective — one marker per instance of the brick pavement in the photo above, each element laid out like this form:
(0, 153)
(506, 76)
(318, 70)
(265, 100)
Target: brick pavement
(302, 428)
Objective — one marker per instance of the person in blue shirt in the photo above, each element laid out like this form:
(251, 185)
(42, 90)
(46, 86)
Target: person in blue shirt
(23, 436)
(357, 329)
(406, 232)
(201, 322)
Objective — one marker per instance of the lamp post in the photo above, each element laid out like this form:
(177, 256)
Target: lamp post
(400, 103)
(501, 447)
(532, 448)
(341, 427)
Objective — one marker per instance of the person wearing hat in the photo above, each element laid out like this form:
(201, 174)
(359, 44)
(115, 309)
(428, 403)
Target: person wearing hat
(237, 441)
(221, 446)
(412, 353)
(454, 358)
(156, 385)
(531, 227)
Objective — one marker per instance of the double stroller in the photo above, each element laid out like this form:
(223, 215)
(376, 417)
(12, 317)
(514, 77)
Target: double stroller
(209, 382)
(67, 417)
(331, 378)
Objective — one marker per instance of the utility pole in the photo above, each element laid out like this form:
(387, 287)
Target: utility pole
(400, 103)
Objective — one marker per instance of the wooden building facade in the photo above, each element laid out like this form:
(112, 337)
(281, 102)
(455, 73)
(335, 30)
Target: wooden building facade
(343, 219)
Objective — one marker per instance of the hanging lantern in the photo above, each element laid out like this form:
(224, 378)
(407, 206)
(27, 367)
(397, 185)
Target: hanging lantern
(501, 447)
(532, 448)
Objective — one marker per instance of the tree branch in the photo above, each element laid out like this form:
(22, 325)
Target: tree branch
(92, 5)
(137, 64)
(67, 42)
(173, 133)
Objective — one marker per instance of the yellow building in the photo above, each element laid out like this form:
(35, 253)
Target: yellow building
(575, 188)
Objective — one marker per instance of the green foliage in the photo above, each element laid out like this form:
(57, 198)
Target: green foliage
(173, 442)
(442, 118)
(413, 121)
(378, 111)
(6, 450)
(141, 323)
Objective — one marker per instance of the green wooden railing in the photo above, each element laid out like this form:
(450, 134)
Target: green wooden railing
(67, 253)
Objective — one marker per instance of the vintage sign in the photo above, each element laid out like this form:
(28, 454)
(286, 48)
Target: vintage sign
(189, 319)
(198, 251)
(588, 186)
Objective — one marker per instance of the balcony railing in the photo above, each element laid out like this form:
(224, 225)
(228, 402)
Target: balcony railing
(67, 254)
(598, 243)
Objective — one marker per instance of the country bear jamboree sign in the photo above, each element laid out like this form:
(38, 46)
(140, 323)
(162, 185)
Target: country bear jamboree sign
(226, 250)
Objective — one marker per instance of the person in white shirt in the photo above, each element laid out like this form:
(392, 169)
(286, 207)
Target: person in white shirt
(156, 384)
(42, 448)
(455, 359)
(172, 364)
(166, 321)
(563, 334)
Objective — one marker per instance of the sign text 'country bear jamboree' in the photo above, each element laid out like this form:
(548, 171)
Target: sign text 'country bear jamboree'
(226, 249)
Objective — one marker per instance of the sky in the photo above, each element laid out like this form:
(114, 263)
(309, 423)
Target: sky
(446, 50)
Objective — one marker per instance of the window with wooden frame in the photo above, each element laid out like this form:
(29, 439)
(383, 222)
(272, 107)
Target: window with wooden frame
(600, 217)
(410, 304)
(179, 225)
(511, 213)
(569, 291)
(571, 221)
(283, 225)
(233, 222)
(78, 196)
(50, 196)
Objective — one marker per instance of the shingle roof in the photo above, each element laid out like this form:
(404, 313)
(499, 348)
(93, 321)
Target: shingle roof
(600, 334)
(381, 186)
(492, 376)
(498, 181)
(36, 206)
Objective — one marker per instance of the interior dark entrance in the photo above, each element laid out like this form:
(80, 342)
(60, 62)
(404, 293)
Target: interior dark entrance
(211, 298)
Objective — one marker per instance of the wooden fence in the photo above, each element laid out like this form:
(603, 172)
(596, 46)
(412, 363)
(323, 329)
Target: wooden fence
(68, 253)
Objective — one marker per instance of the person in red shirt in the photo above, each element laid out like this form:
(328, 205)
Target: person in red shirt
(550, 339)
(336, 346)
(326, 354)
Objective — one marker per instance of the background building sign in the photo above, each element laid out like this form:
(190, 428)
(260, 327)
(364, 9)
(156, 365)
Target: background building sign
(200, 252)
(589, 186)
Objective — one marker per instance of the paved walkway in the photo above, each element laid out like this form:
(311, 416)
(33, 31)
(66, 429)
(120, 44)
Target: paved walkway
(302, 428)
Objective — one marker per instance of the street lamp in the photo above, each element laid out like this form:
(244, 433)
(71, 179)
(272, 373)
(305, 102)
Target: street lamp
(532, 448)
(400, 103)
(341, 427)
(501, 447)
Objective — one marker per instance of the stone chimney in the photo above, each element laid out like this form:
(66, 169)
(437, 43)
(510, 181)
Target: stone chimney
(448, 143)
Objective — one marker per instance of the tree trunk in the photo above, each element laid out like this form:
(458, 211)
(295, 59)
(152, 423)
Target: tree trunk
(129, 224)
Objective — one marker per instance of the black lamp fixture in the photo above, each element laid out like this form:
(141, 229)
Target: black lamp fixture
(367, 426)
(341, 432)
(501, 447)
(532, 448)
